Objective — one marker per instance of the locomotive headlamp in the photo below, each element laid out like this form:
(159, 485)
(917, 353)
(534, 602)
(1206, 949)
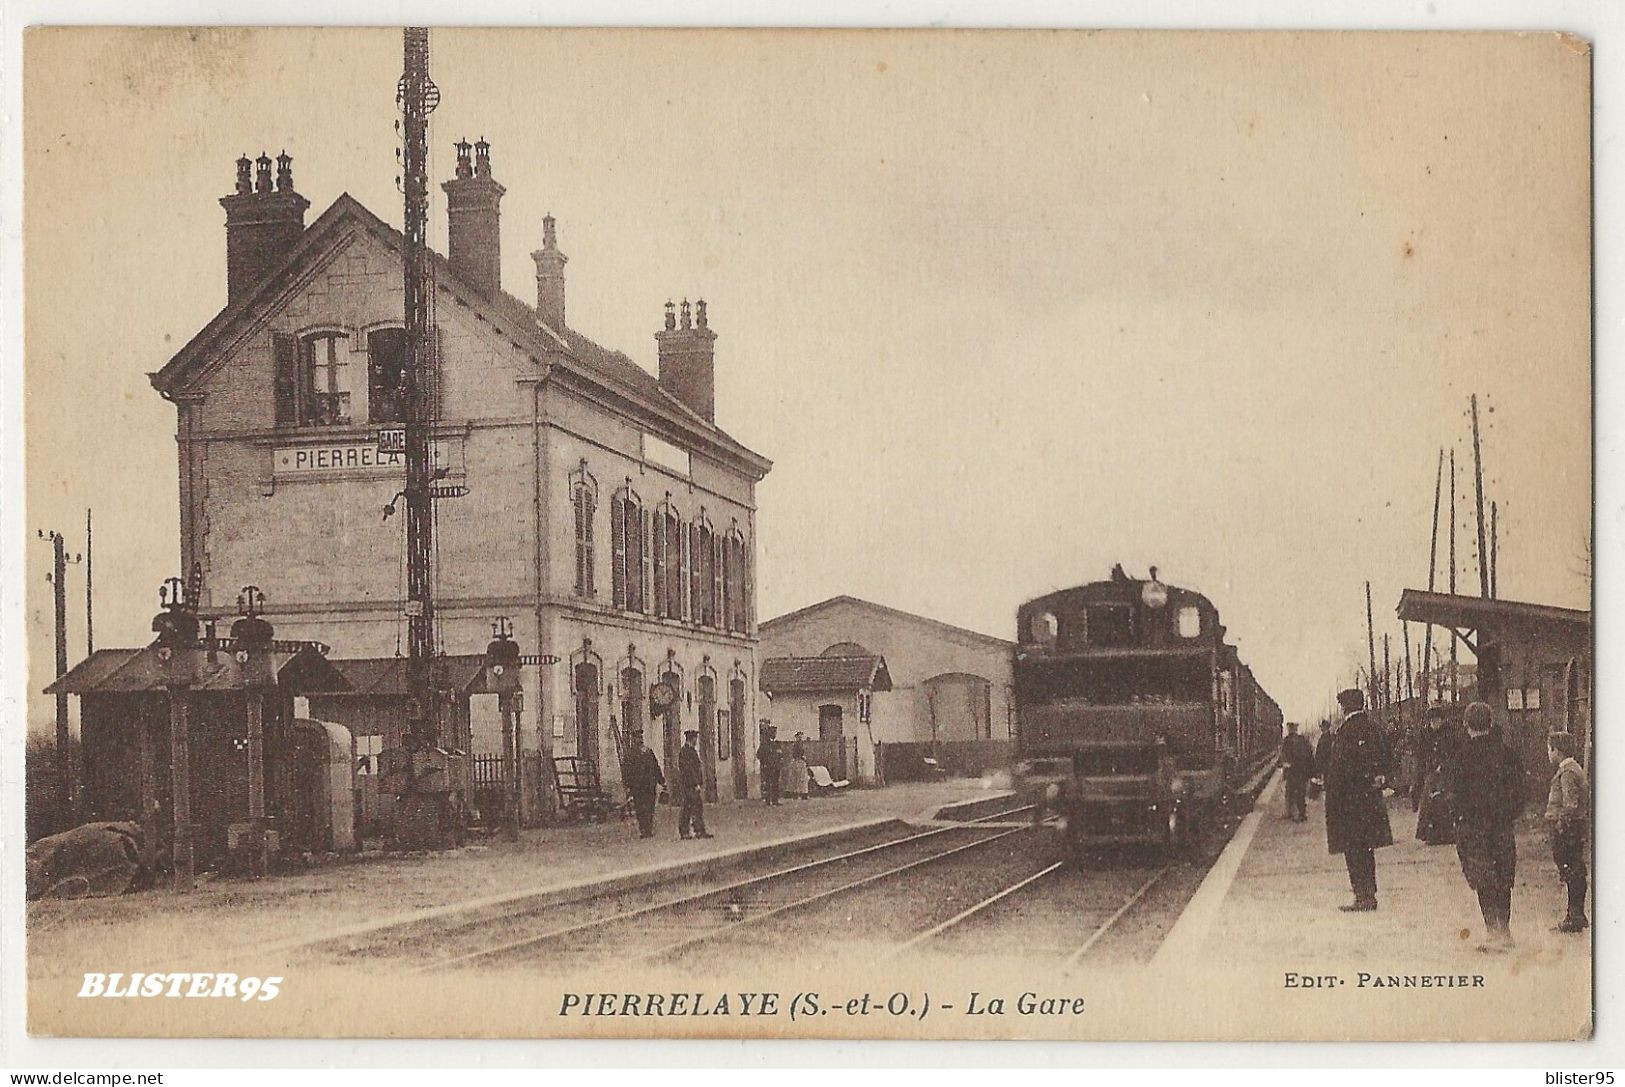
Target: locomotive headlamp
(1154, 594)
(497, 670)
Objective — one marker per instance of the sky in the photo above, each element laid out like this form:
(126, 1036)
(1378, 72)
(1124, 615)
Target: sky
(1003, 308)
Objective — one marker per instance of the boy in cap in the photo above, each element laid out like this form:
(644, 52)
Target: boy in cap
(1566, 810)
(1356, 813)
(691, 788)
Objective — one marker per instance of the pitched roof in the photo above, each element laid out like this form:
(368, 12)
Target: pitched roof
(127, 671)
(610, 370)
(1443, 609)
(785, 674)
(387, 675)
(894, 613)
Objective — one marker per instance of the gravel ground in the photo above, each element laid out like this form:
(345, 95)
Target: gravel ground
(225, 916)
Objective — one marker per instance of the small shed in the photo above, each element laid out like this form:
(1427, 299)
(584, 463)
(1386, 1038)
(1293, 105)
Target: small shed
(829, 699)
(211, 721)
(1535, 665)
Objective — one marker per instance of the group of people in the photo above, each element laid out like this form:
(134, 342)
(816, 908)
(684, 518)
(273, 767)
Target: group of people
(1467, 786)
(782, 775)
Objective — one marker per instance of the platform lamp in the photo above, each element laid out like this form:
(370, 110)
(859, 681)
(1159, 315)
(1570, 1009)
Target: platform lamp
(176, 626)
(251, 636)
(502, 664)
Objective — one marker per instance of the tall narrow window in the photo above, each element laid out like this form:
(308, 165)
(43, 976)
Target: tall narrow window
(386, 374)
(629, 538)
(736, 611)
(285, 349)
(584, 503)
(324, 358)
(660, 569)
(703, 564)
(672, 546)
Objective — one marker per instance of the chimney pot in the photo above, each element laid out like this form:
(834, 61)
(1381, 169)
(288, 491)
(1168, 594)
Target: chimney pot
(550, 277)
(473, 219)
(263, 222)
(687, 358)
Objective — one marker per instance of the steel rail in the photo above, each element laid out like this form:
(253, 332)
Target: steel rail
(1073, 959)
(937, 930)
(675, 903)
(711, 934)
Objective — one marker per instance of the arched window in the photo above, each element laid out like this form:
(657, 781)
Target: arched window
(703, 572)
(313, 382)
(629, 538)
(386, 375)
(584, 504)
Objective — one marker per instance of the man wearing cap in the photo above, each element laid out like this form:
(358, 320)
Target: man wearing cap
(1299, 760)
(643, 780)
(690, 788)
(1356, 813)
(1487, 785)
(767, 753)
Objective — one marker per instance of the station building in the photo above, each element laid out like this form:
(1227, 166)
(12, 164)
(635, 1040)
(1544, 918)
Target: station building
(900, 687)
(606, 514)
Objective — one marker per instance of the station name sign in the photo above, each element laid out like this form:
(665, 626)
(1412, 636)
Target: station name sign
(351, 456)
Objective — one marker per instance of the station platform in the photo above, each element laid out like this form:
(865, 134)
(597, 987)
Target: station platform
(1274, 893)
(356, 892)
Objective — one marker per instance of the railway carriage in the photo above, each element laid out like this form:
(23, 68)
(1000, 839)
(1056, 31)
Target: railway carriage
(1134, 718)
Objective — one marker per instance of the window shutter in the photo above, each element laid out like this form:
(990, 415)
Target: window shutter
(590, 502)
(643, 566)
(674, 566)
(716, 581)
(617, 546)
(747, 601)
(693, 560)
(659, 563)
(580, 505)
(285, 351)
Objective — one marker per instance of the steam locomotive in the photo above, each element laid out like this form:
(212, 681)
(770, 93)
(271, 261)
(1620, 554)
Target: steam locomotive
(1134, 718)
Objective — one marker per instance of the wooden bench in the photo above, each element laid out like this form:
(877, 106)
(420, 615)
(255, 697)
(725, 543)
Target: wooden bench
(822, 781)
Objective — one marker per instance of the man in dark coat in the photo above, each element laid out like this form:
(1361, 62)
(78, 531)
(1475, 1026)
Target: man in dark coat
(767, 754)
(1487, 783)
(1299, 760)
(691, 789)
(1356, 813)
(643, 780)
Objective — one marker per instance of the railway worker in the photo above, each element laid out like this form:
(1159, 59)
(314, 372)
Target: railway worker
(1356, 811)
(1487, 784)
(767, 754)
(1299, 760)
(1566, 811)
(643, 781)
(1441, 743)
(691, 788)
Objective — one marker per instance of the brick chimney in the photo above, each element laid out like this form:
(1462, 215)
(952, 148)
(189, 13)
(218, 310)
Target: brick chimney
(687, 350)
(472, 219)
(263, 221)
(550, 278)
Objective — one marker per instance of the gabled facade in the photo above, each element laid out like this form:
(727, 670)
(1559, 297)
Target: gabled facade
(605, 513)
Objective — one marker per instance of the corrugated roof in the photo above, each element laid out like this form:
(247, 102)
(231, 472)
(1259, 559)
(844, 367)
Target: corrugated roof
(824, 674)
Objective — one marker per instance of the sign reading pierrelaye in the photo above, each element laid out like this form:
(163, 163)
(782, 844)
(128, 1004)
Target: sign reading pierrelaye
(354, 456)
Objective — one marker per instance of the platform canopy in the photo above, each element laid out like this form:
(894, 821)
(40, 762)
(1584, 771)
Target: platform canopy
(1475, 612)
(386, 676)
(296, 669)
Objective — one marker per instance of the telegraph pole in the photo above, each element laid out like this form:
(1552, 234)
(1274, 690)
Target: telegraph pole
(418, 97)
(90, 615)
(1433, 562)
(1495, 542)
(59, 586)
(1455, 682)
(1371, 646)
(1478, 487)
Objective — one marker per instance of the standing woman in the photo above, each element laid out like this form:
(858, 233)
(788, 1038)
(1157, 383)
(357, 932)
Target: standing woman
(795, 769)
(1487, 784)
